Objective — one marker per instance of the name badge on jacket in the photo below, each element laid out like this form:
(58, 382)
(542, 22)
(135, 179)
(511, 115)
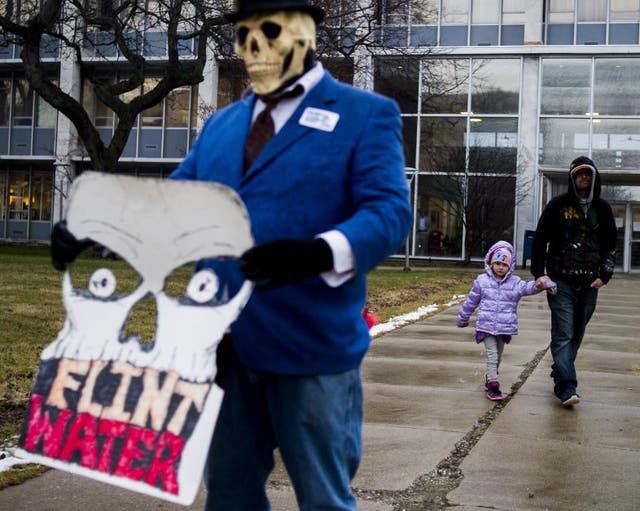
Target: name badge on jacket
(319, 119)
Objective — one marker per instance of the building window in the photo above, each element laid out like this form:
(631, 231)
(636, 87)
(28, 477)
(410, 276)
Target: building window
(178, 105)
(30, 195)
(442, 144)
(180, 108)
(624, 10)
(165, 130)
(27, 122)
(445, 86)
(562, 140)
(616, 143)
(561, 22)
(5, 102)
(495, 86)
(461, 139)
(232, 80)
(485, 12)
(151, 117)
(22, 103)
(3, 200)
(452, 22)
(566, 86)
(597, 117)
(493, 145)
(490, 212)
(18, 196)
(592, 22)
(561, 11)
(396, 12)
(41, 196)
(440, 216)
(592, 10)
(513, 12)
(455, 12)
(616, 90)
(424, 12)
(424, 23)
(5, 114)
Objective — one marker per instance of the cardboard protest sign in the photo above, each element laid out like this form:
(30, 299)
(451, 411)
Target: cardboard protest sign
(105, 406)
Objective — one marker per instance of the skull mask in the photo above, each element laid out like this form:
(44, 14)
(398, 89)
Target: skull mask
(274, 47)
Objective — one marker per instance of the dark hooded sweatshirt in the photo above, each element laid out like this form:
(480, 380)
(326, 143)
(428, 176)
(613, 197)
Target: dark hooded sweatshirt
(575, 240)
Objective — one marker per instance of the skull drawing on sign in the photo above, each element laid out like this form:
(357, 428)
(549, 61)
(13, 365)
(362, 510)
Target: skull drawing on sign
(154, 246)
(275, 47)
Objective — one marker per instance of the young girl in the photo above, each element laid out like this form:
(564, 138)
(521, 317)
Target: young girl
(497, 293)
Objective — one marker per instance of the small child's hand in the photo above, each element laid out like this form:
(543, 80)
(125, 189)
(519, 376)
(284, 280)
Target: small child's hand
(545, 282)
(461, 323)
(541, 282)
(551, 286)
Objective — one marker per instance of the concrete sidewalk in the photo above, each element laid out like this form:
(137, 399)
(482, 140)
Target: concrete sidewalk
(432, 439)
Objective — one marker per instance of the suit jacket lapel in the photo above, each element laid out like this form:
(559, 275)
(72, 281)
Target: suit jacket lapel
(322, 95)
(238, 130)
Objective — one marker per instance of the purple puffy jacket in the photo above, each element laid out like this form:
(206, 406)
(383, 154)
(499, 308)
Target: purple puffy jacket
(496, 300)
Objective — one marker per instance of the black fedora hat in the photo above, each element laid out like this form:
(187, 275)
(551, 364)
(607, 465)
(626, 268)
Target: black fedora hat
(246, 8)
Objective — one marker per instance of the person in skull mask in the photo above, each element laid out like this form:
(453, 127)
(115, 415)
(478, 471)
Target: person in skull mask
(322, 178)
(575, 244)
(328, 201)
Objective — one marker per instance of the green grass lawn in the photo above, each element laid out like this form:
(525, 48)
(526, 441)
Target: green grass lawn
(30, 298)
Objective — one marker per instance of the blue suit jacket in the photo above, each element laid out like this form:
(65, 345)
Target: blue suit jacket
(305, 182)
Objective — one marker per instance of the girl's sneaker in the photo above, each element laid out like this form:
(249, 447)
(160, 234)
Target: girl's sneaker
(492, 389)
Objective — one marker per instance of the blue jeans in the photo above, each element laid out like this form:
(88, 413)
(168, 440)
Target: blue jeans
(315, 421)
(571, 310)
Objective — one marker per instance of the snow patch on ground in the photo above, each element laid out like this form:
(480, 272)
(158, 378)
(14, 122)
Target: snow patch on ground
(410, 317)
(7, 460)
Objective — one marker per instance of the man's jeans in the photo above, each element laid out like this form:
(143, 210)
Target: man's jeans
(571, 310)
(315, 422)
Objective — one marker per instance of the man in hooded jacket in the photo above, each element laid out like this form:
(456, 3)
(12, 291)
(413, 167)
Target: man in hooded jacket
(574, 245)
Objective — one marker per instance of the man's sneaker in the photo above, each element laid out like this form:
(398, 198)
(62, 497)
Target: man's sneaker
(492, 389)
(573, 399)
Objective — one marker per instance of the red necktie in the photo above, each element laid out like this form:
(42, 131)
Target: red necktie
(263, 128)
(260, 133)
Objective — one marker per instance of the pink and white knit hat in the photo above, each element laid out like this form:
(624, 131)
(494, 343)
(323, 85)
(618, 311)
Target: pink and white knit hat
(500, 255)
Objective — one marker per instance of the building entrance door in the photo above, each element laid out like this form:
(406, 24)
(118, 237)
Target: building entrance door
(634, 238)
(620, 215)
(627, 216)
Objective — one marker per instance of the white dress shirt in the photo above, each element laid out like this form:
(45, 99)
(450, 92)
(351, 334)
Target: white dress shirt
(343, 258)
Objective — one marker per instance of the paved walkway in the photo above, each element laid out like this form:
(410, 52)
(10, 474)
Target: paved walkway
(431, 437)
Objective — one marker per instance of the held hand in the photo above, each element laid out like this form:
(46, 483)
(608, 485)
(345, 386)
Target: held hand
(283, 262)
(545, 282)
(541, 282)
(551, 287)
(597, 283)
(461, 324)
(65, 247)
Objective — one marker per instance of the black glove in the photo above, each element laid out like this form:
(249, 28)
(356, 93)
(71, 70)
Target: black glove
(607, 268)
(285, 261)
(64, 246)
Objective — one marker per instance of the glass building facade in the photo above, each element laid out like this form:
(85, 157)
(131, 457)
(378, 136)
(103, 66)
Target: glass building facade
(460, 131)
(496, 98)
